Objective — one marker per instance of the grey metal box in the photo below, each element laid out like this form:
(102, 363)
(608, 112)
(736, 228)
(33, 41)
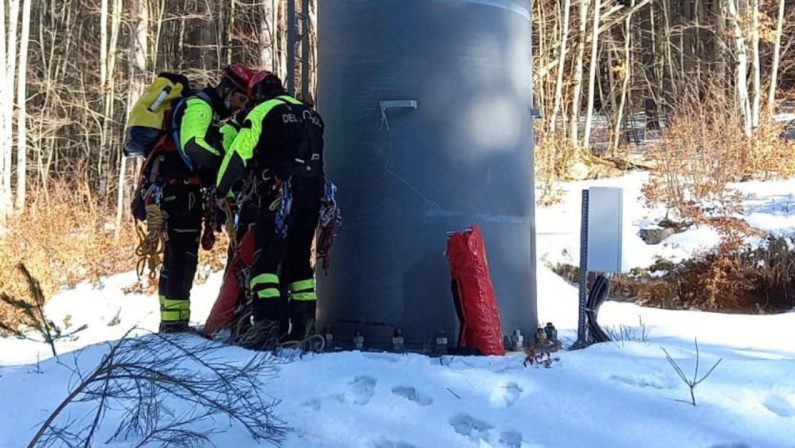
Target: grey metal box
(605, 229)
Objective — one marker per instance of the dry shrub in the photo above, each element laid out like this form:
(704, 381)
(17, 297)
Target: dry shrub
(705, 149)
(730, 278)
(553, 158)
(700, 154)
(768, 154)
(65, 237)
(557, 159)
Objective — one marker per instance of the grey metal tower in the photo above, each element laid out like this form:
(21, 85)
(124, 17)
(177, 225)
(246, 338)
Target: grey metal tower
(428, 130)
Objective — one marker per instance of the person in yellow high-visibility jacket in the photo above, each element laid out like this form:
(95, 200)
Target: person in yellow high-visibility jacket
(200, 149)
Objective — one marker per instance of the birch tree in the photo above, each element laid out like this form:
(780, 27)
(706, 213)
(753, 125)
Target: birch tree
(5, 138)
(564, 39)
(8, 49)
(139, 14)
(22, 116)
(741, 68)
(586, 140)
(576, 97)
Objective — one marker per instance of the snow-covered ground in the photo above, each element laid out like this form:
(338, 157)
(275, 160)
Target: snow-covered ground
(769, 206)
(620, 394)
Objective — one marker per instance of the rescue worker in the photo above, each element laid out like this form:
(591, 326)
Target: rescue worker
(199, 143)
(279, 152)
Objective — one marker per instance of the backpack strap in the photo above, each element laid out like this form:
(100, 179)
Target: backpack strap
(307, 160)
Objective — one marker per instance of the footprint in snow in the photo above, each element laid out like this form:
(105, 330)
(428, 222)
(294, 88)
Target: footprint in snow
(514, 439)
(412, 394)
(511, 439)
(643, 381)
(362, 390)
(471, 427)
(391, 444)
(780, 406)
(506, 394)
(313, 403)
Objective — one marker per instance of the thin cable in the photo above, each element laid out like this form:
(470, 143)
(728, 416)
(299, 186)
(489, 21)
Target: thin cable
(385, 124)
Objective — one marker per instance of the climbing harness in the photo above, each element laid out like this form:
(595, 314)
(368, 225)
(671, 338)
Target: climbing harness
(330, 220)
(285, 204)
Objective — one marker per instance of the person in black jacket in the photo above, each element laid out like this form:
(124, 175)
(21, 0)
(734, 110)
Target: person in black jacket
(279, 152)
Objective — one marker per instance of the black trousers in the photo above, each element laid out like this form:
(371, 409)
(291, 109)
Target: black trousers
(183, 205)
(283, 269)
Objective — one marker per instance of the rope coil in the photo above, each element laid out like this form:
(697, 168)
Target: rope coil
(151, 241)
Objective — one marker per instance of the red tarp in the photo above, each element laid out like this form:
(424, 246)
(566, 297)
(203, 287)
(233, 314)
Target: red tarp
(224, 308)
(476, 302)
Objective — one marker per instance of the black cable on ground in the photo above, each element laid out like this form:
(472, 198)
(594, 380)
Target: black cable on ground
(596, 296)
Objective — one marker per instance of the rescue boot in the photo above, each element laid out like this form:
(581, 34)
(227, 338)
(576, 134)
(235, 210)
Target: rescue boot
(174, 327)
(262, 335)
(302, 319)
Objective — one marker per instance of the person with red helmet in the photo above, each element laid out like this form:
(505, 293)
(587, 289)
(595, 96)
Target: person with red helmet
(279, 155)
(199, 141)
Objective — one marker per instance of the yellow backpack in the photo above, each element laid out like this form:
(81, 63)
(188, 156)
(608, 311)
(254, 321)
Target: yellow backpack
(150, 116)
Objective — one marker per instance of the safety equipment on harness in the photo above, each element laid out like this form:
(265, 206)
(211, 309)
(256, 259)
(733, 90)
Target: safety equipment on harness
(149, 117)
(330, 220)
(285, 204)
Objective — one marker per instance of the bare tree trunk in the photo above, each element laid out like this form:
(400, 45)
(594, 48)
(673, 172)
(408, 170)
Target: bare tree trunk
(9, 48)
(564, 39)
(757, 79)
(280, 26)
(720, 46)
(741, 69)
(5, 138)
(627, 75)
(22, 118)
(110, 98)
(103, 71)
(576, 99)
(267, 41)
(207, 38)
(586, 140)
(139, 15)
(771, 96)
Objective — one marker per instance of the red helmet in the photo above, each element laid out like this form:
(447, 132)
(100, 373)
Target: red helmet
(238, 75)
(265, 78)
